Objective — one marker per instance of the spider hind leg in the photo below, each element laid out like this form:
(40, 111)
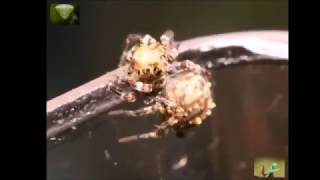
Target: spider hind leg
(135, 113)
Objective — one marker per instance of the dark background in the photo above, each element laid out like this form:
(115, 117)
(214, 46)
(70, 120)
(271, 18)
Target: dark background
(76, 54)
(251, 118)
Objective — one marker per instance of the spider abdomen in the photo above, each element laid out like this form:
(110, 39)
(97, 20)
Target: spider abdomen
(191, 92)
(187, 89)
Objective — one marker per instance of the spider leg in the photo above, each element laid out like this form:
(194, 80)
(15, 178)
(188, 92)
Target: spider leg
(172, 54)
(132, 39)
(166, 102)
(127, 96)
(167, 39)
(166, 124)
(129, 42)
(148, 40)
(157, 133)
(136, 85)
(139, 112)
(189, 66)
(148, 135)
(140, 86)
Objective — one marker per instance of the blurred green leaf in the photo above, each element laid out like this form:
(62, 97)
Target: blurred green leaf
(54, 16)
(63, 14)
(64, 10)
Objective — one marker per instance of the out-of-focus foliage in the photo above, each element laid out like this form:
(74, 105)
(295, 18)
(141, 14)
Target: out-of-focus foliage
(64, 14)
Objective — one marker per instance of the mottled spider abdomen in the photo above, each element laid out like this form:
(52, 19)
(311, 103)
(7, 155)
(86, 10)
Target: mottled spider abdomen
(192, 93)
(184, 102)
(182, 89)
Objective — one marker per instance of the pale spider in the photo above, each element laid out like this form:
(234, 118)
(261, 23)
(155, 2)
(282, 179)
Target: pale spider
(185, 101)
(149, 63)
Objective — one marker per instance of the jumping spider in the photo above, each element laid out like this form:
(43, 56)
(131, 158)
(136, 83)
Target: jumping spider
(149, 62)
(184, 102)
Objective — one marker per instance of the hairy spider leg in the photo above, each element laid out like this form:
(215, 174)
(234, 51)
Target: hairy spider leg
(140, 86)
(139, 112)
(127, 96)
(188, 65)
(167, 39)
(148, 135)
(157, 133)
(129, 42)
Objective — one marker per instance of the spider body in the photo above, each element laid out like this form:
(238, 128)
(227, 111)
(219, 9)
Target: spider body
(184, 102)
(149, 62)
(191, 94)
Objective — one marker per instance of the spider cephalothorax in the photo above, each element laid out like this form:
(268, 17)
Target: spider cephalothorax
(149, 62)
(185, 101)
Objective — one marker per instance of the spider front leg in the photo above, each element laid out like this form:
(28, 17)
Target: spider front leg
(136, 85)
(127, 96)
(132, 39)
(189, 66)
(160, 131)
(140, 86)
(172, 54)
(167, 40)
(149, 135)
(129, 42)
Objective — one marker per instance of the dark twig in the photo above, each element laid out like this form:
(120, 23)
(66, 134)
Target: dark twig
(93, 98)
(81, 104)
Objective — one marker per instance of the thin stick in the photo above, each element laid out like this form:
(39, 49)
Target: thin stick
(81, 104)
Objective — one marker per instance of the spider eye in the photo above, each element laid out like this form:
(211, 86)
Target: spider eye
(138, 72)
